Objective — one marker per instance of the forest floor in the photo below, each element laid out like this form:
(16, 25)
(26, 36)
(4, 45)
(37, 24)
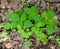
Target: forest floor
(15, 41)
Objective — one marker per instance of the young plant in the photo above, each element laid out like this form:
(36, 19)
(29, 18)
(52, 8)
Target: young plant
(29, 22)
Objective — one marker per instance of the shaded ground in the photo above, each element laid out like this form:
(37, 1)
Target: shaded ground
(15, 41)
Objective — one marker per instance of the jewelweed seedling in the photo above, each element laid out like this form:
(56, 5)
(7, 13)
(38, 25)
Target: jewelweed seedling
(29, 22)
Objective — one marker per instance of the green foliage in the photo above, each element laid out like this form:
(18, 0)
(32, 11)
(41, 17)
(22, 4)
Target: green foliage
(34, 10)
(40, 24)
(43, 14)
(42, 37)
(49, 29)
(26, 5)
(50, 14)
(31, 16)
(50, 37)
(37, 18)
(13, 25)
(25, 34)
(57, 40)
(6, 26)
(4, 34)
(19, 12)
(23, 17)
(29, 22)
(13, 16)
(27, 44)
(27, 10)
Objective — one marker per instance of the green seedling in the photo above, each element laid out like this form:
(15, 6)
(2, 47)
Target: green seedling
(4, 34)
(58, 40)
(5, 37)
(27, 44)
(50, 37)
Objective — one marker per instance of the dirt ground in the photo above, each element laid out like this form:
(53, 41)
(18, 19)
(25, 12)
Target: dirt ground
(15, 41)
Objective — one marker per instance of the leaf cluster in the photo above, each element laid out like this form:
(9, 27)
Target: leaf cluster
(29, 22)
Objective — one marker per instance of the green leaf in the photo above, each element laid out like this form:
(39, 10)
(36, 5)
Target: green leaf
(31, 16)
(19, 24)
(24, 35)
(50, 14)
(21, 31)
(34, 10)
(43, 14)
(27, 10)
(29, 33)
(50, 37)
(19, 12)
(58, 41)
(26, 5)
(6, 26)
(18, 27)
(42, 37)
(40, 24)
(33, 29)
(13, 25)
(37, 18)
(27, 44)
(49, 29)
(27, 24)
(46, 21)
(13, 16)
(23, 17)
(27, 30)
(4, 34)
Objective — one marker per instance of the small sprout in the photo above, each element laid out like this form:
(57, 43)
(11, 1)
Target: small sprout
(50, 37)
(27, 44)
(58, 40)
(42, 37)
(4, 34)
(14, 30)
(6, 26)
(26, 5)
